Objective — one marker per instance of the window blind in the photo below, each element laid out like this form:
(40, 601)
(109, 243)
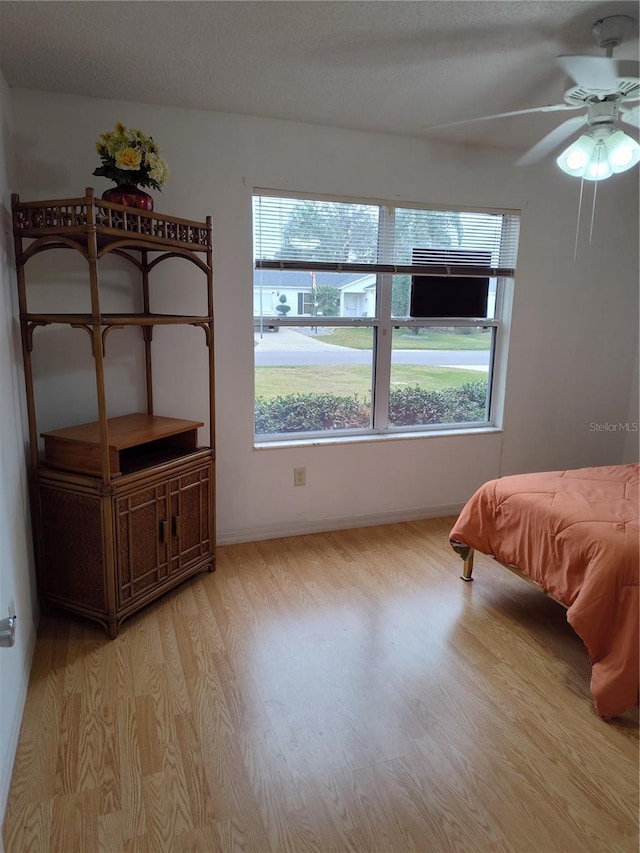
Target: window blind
(295, 233)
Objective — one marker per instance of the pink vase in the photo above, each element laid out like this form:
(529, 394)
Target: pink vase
(130, 196)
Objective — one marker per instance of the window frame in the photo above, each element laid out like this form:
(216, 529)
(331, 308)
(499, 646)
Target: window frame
(383, 323)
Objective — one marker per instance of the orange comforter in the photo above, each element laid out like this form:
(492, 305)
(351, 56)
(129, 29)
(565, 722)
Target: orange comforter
(576, 534)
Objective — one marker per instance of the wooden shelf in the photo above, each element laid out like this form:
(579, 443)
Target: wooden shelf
(117, 319)
(134, 442)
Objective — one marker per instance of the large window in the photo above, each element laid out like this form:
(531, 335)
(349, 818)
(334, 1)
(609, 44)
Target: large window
(376, 318)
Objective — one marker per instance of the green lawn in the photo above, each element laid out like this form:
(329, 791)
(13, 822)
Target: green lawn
(356, 379)
(403, 339)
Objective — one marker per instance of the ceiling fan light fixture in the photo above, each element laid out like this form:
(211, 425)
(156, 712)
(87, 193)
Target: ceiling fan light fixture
(596, 156)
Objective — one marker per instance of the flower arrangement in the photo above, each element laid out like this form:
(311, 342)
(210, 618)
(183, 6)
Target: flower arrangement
(131, 157)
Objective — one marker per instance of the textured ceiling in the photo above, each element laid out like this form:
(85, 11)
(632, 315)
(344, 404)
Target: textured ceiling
(394, 66)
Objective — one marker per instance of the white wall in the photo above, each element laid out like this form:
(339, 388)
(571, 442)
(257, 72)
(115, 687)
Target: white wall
(632, 424)
(574, 330)
(16, 565)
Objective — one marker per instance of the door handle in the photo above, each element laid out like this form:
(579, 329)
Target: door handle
(163, 531)
(176, 526)
(7, 631)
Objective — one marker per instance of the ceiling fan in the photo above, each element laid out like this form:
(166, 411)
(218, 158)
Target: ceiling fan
(604, 86)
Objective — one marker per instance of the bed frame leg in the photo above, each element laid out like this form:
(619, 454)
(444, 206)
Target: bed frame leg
(466, 553)
(468, 567)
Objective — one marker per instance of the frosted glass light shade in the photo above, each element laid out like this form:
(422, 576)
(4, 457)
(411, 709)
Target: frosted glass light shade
(597, 159)
(623, 151)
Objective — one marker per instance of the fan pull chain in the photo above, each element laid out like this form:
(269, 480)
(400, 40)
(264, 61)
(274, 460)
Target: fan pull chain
(575, 247)
(593, 209)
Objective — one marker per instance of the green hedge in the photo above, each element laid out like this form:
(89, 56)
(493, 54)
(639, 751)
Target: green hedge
(407, 406)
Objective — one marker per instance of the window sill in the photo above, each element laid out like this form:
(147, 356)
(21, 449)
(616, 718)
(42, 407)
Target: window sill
(367, 439)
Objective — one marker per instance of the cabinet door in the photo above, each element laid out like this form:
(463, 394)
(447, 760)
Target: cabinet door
(191, 510)
(142, 541)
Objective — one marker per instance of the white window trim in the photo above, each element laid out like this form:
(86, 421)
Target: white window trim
(383, 324)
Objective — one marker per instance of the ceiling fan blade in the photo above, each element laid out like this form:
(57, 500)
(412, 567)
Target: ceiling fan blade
(549, 109)
(592, 72)
(631, 116)
(628, 68)
(552, 140)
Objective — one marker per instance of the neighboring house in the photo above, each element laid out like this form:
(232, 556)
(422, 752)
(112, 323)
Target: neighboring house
(358, 298)
(357, 293)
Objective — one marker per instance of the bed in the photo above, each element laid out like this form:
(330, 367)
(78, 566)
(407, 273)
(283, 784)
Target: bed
(576, 534)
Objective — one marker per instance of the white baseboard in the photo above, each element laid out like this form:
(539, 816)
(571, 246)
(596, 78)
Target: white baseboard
(324, 525)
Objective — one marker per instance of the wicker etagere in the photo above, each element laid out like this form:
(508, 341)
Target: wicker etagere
(123, 508)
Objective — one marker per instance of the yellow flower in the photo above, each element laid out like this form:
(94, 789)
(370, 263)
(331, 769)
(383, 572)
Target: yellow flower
(128, 158)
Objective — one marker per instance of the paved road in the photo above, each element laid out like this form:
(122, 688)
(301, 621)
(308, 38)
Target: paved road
(288, 348)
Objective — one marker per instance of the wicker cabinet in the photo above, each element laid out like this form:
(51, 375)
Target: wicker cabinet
(123, 507)
(162, 531)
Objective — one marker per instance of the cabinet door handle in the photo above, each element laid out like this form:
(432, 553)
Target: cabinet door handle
(176, 526)
(163, 531)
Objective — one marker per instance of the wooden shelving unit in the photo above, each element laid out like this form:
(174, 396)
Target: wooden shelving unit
(123, 508)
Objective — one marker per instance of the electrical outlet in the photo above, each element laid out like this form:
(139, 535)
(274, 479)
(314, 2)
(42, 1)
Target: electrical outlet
(299, 477)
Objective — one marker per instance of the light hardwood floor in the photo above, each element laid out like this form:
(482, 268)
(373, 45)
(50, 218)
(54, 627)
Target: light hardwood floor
(335, 692)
